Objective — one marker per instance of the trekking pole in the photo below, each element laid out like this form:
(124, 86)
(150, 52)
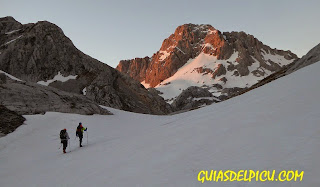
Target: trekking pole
(87, 136)
(69, 142)
(60, 145)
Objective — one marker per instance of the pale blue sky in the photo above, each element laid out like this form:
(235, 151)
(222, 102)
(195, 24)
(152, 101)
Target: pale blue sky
(113, 30)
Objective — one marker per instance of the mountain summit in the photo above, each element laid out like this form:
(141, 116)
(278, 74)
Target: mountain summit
(41, 53)
(200, 55)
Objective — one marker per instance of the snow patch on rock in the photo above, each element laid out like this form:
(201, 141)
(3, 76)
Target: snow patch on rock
(146, 85)
(277, 58)
(10, 76)
(164, 55)
(84, 91)
(7, 43)
(11, 32)
(187, 75)
(58, 77)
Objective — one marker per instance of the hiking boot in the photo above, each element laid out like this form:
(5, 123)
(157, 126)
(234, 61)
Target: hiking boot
(64, 151)
(81, 146)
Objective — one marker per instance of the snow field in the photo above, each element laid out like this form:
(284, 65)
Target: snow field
(272, 127)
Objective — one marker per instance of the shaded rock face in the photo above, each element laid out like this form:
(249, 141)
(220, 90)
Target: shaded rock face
(189, 40)
(231, 91)
(41, 51)
(9, 120)
(311, 57)
(193, 97)
(3, 78)
(8, 24)
(31, 98)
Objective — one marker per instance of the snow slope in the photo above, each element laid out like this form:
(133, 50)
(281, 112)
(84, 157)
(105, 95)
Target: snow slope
(188, 75)
(272, 127)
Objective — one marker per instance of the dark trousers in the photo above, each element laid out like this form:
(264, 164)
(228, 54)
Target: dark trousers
(65, 144)
(80, 139)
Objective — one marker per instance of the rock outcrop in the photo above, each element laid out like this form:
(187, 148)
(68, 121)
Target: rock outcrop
(311, 57)
(10, 120)
(192, 98)
(135, 68)
(41, 53)
(31, 98)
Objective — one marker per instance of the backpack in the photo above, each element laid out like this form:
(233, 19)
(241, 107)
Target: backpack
(78, 131)
(62, 134)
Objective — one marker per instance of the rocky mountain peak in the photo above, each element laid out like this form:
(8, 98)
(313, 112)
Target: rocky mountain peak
(8, 24)
(8, 19)
(41, 53)
(220, 57)
(47, 27)
(193, 37)
(187, 42)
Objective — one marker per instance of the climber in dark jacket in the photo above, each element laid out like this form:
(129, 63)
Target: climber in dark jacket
(64, 136)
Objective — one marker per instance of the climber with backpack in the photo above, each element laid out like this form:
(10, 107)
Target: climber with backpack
(79, 132)
(64, 136)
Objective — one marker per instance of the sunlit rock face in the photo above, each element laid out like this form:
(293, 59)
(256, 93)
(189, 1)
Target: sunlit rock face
(200, 55)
